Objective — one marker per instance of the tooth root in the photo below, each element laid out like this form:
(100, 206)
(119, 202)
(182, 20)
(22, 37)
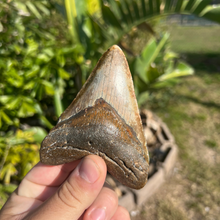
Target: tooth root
(111, 80)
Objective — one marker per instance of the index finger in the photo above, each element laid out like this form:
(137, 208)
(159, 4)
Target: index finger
(43, 180)
(47, 175)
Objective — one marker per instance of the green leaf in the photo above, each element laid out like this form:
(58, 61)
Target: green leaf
(38, 133)
(124, 18)
(33, 72)
(168, 5)
(45, 122)
(33, 9)
(158, 6)
(190, 4)
(114, 7)
(49, 52)
(14, 78)
(182, 69)
(63, 74)
(148, 55)
(170, 55)
(152, 73)
(26, 110)
(73, 49)
(38, 108)
(201, 6)
(32, 46)
(29, 85)
(49, 89)
(151, 9)
(109, 17)
(21, 7)
(42, 58)
(136, 9)
(142, 98)
(44, 71)
(60, 59)
(163, 84)
(128, 10)
(179, 5)
(5, 98)
(143, 4)
(80, 8)
(9, 188)
(71, 15)
(5, 118)
(212, 13)
(14, 103)
(42, 8)
(7, 171)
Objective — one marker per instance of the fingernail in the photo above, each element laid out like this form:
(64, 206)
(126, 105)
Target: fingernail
(89, 171)
(98, 214)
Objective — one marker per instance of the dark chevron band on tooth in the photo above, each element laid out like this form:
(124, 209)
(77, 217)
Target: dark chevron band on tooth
(104, 120)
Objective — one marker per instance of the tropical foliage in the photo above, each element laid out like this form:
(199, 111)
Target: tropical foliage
(154, 66)
(45, 55)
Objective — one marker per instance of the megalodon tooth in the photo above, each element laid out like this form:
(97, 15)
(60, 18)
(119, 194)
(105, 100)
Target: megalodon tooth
(103, 120)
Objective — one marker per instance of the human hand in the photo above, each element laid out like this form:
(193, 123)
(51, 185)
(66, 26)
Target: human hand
(69, 191)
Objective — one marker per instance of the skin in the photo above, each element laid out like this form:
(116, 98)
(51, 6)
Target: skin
(69, 191)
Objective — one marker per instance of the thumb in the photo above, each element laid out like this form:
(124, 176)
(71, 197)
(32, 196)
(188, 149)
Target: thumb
(77, 193)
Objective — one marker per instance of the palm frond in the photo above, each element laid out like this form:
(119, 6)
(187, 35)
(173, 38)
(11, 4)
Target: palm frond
(127, 14)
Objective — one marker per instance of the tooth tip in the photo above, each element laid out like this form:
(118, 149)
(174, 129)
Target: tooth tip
(115, 47)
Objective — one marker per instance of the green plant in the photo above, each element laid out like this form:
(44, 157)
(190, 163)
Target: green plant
(23, 147)
(155, 66)
(35, 69)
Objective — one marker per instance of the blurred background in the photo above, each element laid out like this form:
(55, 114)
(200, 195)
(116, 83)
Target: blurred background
(49, 48)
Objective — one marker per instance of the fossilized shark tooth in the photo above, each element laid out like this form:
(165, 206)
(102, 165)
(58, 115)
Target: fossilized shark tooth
(104, 120)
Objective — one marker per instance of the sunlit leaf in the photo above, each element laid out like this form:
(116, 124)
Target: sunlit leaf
(63, 74)
(5, 98)
(33, 72)
(14, 103)
(49, 89)
(29, 85)
(32, 46)
(26, 110)
(45, 122)
(182, 69)
(42, 58)
(5, 118)
(44, 71)
(7, 172)
(212, 13)
(38, 133)
(60, 59)
(42, 8)
(33, 9)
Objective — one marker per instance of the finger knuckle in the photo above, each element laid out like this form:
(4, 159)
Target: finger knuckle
(69, 195)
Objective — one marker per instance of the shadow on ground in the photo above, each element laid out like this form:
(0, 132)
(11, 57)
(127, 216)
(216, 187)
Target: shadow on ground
(209, 62)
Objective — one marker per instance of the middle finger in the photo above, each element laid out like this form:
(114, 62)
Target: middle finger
(104, 206)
